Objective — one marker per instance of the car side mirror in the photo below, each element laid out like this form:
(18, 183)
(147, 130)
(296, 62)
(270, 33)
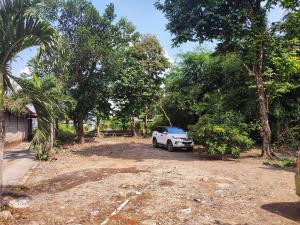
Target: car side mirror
(165, 132)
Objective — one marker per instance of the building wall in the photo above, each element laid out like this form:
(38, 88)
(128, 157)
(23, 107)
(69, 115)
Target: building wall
(16, 128)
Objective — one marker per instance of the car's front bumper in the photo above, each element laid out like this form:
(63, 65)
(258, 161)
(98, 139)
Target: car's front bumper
(182, 144)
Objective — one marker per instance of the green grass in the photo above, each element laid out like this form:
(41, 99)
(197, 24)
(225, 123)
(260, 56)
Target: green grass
(66, 133)
(281, 162)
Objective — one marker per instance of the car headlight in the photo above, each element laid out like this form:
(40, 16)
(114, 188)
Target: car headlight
(176, 138)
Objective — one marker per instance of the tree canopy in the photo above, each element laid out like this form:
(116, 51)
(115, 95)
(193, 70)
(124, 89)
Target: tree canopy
(237, 26)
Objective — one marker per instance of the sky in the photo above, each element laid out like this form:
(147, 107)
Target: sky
(147, 20)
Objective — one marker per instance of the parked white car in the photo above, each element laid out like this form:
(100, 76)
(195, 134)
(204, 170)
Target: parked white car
(171, 137)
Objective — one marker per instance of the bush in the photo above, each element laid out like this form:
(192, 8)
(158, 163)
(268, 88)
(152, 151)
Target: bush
(66, 133)
(42, 153)
(57, 143)
(222, 133)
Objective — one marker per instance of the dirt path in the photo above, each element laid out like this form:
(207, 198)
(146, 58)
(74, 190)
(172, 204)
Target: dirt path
(86, 184)
(18, 161)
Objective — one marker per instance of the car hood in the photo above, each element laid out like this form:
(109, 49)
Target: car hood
(184, 136)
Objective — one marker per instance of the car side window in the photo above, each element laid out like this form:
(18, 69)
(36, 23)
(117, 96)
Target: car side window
(158, 129)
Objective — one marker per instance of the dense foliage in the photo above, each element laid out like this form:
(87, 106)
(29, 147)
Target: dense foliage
(140, 80)
(241, 27)
(244, 92)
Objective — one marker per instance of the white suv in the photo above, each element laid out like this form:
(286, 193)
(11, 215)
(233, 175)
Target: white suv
(171, 137)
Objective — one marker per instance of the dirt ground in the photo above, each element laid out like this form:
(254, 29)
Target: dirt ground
(86, 184)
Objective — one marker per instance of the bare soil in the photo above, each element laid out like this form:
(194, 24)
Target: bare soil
(86, 184)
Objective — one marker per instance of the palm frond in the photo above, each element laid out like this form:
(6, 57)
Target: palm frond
(43, 107)
(20, 29)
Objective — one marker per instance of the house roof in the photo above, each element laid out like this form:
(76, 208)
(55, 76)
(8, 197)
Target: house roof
(24, 112)
(30, 112)
(16, 107)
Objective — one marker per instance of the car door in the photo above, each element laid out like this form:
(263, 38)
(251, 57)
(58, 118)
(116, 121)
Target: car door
(157, 134)
(164, 136)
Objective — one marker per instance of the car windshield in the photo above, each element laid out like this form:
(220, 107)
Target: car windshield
(175, 131)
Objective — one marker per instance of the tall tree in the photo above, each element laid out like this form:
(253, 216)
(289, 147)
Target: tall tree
(95, 42)
(237, 26)
(141, 78)
(20, 28)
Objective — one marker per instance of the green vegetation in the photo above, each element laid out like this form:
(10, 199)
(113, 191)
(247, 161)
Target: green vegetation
(95, 68)
(281, 162)
(222, 133)
(66, 133)
(21, 28)
(267, 57)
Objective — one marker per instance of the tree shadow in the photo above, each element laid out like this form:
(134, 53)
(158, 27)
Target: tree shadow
(289, 210)
(138, 152)
(18, 154)
(218, 222)
(273, 167)
(66, 181)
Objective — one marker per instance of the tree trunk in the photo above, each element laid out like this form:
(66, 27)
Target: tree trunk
(133, 127)
(146, 122)
(263, 107)
(80, 132)
(98, 131)
(98, 126)
(51, 137)
(164, 112)
(56, 128)
(2, 140)
(2, 134)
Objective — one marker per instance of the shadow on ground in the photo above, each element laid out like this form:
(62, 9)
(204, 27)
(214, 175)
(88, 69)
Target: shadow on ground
(273, 167)
(290, 210)
(66, 181)
(141, 152)
(18, 154)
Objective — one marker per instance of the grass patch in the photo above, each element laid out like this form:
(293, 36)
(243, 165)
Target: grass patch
(281, 162)
(66, 134)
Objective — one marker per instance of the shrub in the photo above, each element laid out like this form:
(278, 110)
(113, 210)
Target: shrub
(66, 133)
(57, 143)
(41, 152)
(221, 133)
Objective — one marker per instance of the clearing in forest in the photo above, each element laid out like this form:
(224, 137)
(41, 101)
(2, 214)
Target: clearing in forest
(87, 183)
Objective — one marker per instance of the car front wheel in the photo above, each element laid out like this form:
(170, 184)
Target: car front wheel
(154, 143)
(170, 146)
(189, 149)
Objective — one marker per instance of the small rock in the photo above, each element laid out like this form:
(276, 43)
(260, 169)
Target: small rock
(95, 213)
(138, 193)
(125, 186)
(222, 185)
(205, 179)
(5, 214)
(186, 211)
(197, 200)
(19, 203)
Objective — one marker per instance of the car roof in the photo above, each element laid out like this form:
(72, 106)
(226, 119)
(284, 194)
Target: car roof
(168, 127)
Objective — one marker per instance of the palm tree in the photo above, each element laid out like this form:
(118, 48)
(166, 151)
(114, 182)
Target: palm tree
(20, 28)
